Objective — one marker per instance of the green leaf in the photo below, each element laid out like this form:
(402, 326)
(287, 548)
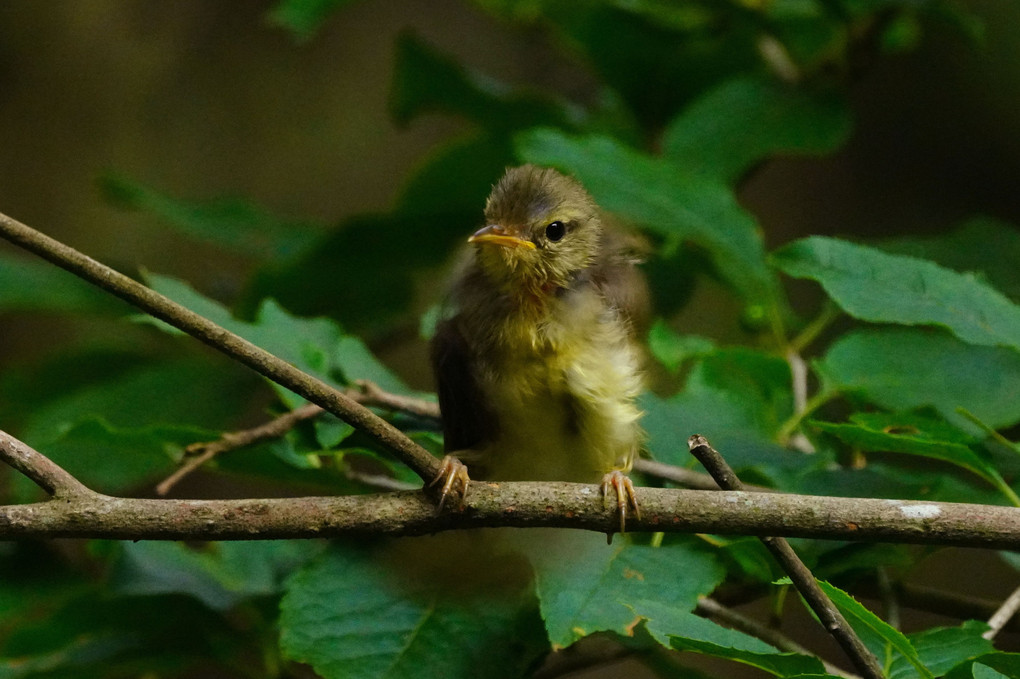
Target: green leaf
(303, 18)
(907, 369)
(586, 587)
(982, 244)
(666, 198)
(771, 661)
(887, 643)
(672, 350)
(875, 286)
(747, 119)
(219, 574)
(942, 648)
(425, 81)
(912, 434)
(384, 612)
(37, 286)
(234, 224)
(330, 430)
(987, 666)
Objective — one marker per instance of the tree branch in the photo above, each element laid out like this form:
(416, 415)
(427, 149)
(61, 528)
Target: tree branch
(221, 339)
(803, 579)
(85, 514)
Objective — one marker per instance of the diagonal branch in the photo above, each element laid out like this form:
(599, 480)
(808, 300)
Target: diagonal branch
(803, 579)
(221, 339)
(40, 469)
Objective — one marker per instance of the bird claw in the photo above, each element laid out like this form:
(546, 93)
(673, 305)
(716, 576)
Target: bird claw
(625, 495)
(454, 475)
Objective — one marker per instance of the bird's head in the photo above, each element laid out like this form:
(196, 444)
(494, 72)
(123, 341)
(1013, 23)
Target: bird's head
(542, 228)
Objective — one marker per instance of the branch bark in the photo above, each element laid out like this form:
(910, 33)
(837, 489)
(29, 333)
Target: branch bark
(221, 339)
(803, 579)
(77, 512)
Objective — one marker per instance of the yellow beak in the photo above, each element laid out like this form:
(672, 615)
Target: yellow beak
(494, 233)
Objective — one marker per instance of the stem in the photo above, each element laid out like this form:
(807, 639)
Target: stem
(788, 427)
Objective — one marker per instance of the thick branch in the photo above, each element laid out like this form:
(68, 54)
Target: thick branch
(518, 504)
(259, 360)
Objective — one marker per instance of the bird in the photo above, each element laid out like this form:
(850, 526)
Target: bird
(536, 357)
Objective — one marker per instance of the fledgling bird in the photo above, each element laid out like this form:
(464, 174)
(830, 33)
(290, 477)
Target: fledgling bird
(536, 361)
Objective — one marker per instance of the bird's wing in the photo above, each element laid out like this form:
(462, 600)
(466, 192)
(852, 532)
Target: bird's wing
(468, 420)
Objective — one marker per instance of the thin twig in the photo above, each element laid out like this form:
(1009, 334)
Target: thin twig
(392, 439)
(710, 608)
(367, 394)
(1003, 615)
(800, 575)
(197, 454)
(517, 504)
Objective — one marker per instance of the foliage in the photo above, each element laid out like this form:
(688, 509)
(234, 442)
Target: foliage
(914, 363)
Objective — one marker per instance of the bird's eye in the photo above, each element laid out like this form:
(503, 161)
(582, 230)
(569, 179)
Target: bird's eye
(555, 231)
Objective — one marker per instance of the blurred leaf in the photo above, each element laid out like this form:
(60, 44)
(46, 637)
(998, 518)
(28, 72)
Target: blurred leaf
(101, 636)
(234, 224)
(748, 119)
(303, 18)
(982, 244)
(220, 574)
(875, 286)
(330, 430)
(426, 80)
(357, 612)
(908, 369)
(585, 586)
(942, 648)
(887, 643)
(672, 350)
(352, 358)
(665, 198)
(679, 50)
(913, 435)
(768, 660)
(114, 460)
(988, 666)
(37, 286)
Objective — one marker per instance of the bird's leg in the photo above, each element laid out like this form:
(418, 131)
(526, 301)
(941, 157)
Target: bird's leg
(623, 488)
(454, 475)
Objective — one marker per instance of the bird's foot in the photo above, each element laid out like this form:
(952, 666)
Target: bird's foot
(623, 488)
(454, 476)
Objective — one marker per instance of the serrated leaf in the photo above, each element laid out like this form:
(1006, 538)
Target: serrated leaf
(234, 224)
(942, 648)
(363, 613)
(666, 198)
(33, 285)
(911, 434)
(875, 286)
(747, 119)
(909, 369)
(886, 642)
(586, 587)
(982, 244)
(775, 663)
